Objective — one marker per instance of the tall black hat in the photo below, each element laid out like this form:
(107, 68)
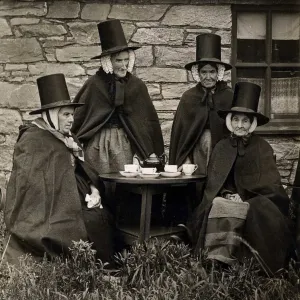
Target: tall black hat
(112, 38)
(53, 93)
(245, 100)
(208, 50)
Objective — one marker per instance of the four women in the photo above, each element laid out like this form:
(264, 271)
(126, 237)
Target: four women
(54, 196)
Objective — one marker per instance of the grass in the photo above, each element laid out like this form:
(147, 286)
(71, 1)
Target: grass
(157, 270)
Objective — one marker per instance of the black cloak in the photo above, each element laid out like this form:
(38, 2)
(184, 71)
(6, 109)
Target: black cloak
(257, 180)
(137, 113)
(191, 118)
(44, 212)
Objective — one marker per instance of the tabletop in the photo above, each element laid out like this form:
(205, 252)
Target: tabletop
(118, 178)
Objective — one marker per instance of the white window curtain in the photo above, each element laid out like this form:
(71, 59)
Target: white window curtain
(251, 26)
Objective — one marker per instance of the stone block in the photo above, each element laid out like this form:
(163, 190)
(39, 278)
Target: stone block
(154, 90)
(42, 30)
(225, 36)
(225, 54)
(13, 67)
(284, 173)
(285, 151)
(166, 115)
(4, 28)
(175, 91)
(84, 33)
(91, 72)
(144, 56)
(69, 69)
(23, 9)
(63, 10)
(293, 173)
(51, 43)
(95, 11)
(93, 64)
(190, 39)
(10, 120)
(24, 73)
(77, 53)
(158, 36)
(6, 156)
(153, 74)
(174, 57)
(128, 29)
(16, 79)
(166, 128)
(75, 84)
(20, 50)
(24, 21)
(138, 12)
(148, 24)
(211, 16)
(10, 140)
(19, 96)
(166, 105)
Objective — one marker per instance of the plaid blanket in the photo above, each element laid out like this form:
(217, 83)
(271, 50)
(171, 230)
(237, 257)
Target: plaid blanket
(225, 222)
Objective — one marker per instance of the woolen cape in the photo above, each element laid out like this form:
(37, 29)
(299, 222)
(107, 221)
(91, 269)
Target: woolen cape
(258, 182)
(138, 115)
(191, 118)
(43, 212)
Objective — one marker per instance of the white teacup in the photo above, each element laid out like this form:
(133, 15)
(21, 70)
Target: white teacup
(131, 168)
(148, 171)
(171, 168)
(189, 169)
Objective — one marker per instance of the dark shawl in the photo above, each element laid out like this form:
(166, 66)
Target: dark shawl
(258, 181)
(102, 95)
(191, 117)
(43, 212)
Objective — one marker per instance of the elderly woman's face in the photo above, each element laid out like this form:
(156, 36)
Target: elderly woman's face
(240, 124)
(65, 119)
(208, 76)
(120, 63)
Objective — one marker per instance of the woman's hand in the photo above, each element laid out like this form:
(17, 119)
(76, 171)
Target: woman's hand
(94, 199)
(234, 197)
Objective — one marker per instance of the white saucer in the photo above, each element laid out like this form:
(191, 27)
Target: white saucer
(170, 174)
(149, 175)
(129, 174)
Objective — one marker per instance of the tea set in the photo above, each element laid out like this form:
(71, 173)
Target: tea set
(155, 167)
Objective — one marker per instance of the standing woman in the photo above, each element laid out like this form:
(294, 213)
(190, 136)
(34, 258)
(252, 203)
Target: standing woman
(197, 127)
(118, 119)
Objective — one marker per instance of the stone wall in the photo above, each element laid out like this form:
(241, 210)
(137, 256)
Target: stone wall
(39, 38)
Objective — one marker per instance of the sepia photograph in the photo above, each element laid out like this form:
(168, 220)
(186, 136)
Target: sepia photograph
(149, 149)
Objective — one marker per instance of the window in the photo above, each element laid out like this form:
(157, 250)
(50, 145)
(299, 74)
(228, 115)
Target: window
(265, 51)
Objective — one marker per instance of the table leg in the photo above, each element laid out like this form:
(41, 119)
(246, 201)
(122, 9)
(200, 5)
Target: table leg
(145, 214)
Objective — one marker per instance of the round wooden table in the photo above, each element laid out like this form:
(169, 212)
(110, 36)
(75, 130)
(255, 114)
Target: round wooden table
(147, 187)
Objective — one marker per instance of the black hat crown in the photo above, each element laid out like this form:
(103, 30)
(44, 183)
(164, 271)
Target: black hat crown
(208, 49)
(245, 100)
(208, 46)
(112, 38)
(53, 93)
(246, 95)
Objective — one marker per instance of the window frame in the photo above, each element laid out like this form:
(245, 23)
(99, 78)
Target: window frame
(277, 125)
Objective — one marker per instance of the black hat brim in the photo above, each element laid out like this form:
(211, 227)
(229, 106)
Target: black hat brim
(116, 50)
(261, 119)
(54, 105)
(208, 60)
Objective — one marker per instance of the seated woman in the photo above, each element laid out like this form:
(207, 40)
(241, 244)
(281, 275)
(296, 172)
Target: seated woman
(53, 194)
(243, 198)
